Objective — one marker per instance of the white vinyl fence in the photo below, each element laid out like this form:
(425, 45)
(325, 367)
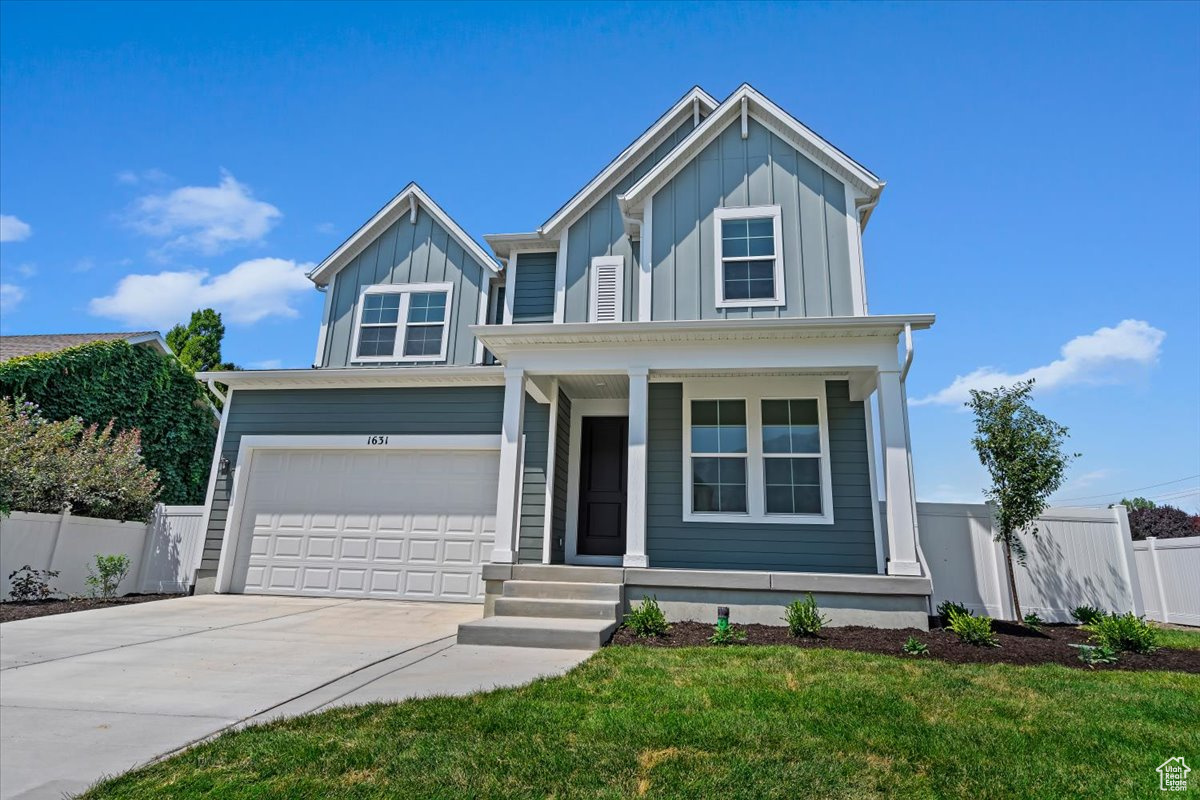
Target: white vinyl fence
(1081, 556)
(163, 553)
(1169, 571)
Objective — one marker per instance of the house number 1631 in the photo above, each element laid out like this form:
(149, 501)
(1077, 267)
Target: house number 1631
(377, 440)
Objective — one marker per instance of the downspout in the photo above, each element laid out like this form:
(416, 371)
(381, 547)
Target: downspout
(908, 358)
(212, 387)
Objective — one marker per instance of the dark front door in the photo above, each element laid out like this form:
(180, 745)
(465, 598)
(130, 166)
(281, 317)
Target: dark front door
(603, 455)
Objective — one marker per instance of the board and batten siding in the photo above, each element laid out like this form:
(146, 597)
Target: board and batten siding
(848, 545)
(314, 412)
(601, 232)
(759, 170)
(408, 253)
(533, 297)
(532, 529)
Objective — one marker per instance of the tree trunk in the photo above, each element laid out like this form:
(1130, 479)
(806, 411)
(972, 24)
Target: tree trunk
(1012, 579)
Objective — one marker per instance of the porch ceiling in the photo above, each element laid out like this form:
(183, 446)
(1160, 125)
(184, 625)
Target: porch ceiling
(595, 387)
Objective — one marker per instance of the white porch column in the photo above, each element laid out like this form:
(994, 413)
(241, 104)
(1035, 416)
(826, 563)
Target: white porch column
(508, 500)
(635, 499)
(899, 490)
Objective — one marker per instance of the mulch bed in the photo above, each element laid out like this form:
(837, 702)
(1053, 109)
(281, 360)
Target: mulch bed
(1018, 645)
(10, 611)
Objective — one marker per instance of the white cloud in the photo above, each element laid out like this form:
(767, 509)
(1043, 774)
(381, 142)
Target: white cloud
(326, 228)
(84, 265)
(131, 177)
(208, 219)
(27, 270)
(13, 229)
(270, 363)
(251, 291)
(10, 296)
(1098, 357)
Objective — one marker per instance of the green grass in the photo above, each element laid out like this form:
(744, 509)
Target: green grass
(762, 722)
(1179, 640)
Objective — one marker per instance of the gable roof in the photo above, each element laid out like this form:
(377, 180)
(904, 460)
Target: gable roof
(627, 159)
(28, 345)
(409, 197)
(777, 121)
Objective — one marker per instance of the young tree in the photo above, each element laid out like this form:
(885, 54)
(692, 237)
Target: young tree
(1022, 450)
(197, 345)
(1138, 503)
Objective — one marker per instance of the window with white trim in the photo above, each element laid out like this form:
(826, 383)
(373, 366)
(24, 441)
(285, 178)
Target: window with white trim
(749, 256)
(756, 451)
(403, 322)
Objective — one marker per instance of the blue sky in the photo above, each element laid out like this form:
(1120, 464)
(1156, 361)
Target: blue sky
(1042, 164)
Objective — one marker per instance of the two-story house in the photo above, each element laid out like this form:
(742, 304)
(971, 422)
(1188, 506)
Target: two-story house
(672, 387)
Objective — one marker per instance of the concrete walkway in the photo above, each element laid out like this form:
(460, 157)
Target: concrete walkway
(95, 693)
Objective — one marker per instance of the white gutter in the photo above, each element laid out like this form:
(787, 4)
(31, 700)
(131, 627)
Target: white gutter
(212, 387)
(908, 351)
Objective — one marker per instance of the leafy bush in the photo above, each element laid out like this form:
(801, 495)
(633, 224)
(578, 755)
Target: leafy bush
(107, 576)
(45, 465)
(946, 606)
(973, 630)
(1163, 522)
(1032, 620)
(1124, 633)
(914, 647)
(803, 618)
(647, 619)
(1093, 655)
(134, 388)
(1086, 615)
(727, 635)
(34, 584)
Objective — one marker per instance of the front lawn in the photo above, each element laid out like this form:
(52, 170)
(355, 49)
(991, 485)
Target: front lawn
(741, 722)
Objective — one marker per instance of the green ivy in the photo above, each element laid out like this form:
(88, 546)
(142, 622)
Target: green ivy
(135, 388)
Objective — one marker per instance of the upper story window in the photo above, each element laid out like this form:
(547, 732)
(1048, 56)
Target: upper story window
(403, 322)
(749, 257)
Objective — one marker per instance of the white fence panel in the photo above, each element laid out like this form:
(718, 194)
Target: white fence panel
(171, 551)
(1169, 570)
(956, 540)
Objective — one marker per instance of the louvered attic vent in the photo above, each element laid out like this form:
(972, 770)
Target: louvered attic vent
(607, 289)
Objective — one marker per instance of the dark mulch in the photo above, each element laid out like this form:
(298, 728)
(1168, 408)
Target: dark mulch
(1018, 645)
(11, 612)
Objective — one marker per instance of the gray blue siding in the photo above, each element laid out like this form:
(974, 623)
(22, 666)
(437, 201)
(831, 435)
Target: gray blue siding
(307, 412)
(759, 170)
(848, 545)
(600, 232)
(532, 529)
(407, 253)
(533, 296)
(562, 461)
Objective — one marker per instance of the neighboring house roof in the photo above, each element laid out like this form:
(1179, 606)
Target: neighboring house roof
(778, 121)
(410, 198)
(16, 346)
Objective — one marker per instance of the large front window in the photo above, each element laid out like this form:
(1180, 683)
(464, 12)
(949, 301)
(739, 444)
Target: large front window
(749, 257)
(760, 457)
(403, 322)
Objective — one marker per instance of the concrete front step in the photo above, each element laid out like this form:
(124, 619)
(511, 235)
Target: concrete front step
(556, 590)
(561, 573)
(561, 634)
(558, 608)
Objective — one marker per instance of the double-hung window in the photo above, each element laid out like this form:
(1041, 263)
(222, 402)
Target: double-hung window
(403, 322)
(749, 256)
(761, 457)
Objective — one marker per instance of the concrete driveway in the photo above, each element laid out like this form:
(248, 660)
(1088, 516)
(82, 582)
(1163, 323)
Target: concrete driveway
(95, 693)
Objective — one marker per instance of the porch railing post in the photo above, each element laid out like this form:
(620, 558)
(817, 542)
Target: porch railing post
(639, 426)
(508, 501)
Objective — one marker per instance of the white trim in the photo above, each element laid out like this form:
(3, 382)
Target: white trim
(357, 377)
(598, 264)
(646, 266)
(250, 444)
(405, 290)
(508, 498)
(637, 469)
(153, 338)
(580, 409)
(753, 392)
(560, 277)
(212, 474)
(873, 480)
(481, 316)
(858, 273)
(551, 455)
(510, 288)
(775, 213)
(323, 336)
(377, 224)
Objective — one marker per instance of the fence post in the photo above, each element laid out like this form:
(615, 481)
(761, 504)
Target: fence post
(148, 546)
(63, 520)
(1158, 581)
(1128, 564)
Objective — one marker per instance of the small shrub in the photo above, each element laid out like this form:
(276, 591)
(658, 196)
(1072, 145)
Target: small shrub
(1033, 621)
(1087, 615)
(107, 576)
(647, 619)
(973, 630)
(1162, 522)
(33, 584)
(946, 606)
(803, 618)
(1093, 655)
(915, 647)
(1124, 633)
(727, 635)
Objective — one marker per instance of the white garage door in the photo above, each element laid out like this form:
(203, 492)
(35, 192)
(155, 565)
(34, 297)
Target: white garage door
(403, 524)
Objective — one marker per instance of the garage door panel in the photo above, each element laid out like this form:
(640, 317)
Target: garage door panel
(369, 524)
